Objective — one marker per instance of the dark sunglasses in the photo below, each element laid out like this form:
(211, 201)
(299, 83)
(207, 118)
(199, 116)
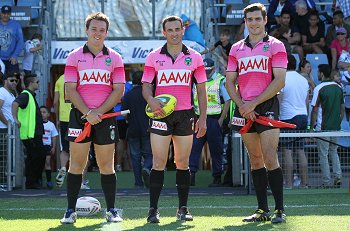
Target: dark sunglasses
(340, 33)
(13, 80)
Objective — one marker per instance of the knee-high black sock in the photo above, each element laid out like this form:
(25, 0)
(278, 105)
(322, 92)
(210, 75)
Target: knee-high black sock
(109, 187)
(276, 185)
(260, 183)
(183, 180)
(48, 175)
(73, 188)
(156, 180)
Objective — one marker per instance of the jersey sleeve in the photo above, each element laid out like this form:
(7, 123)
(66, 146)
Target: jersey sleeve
(54, 131)
(118, 74)
(232, 61)
(279, 55)
(71, 70)
(149, 71)
(199, 72)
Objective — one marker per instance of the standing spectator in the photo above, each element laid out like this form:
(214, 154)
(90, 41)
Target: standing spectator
(344, 6)
(338, 22)
(313, 40)
(7, 96)
(49, 141)
(162, 65)
(274, 11)
(92, 97)
(339, 45)
(11, 42)
(293, 109)
(216, 95)
(27, 116)
(30, 47)
(137, 135)
(224, 45)
(258, 86)
(328, 95)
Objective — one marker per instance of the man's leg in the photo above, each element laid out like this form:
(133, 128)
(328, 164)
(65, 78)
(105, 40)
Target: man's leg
(160, 147)
(195, 155)
(288, 166)
(135, 154)
(323, 148)
(146, 152)
(182, 149)
(333, 152)
(259, 176)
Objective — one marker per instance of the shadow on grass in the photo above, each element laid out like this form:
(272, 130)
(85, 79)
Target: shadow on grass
(175, 225)
(252, 226)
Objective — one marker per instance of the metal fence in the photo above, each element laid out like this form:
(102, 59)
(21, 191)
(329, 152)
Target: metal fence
(298, 144)
(11, 159)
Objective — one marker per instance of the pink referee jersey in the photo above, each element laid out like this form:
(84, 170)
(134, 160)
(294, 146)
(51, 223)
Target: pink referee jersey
(94, 76)
(254, 64)
(175, 77)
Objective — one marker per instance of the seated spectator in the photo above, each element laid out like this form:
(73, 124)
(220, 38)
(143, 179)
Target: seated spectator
(293, 104)
(344, 67)
(339, 45)
(293, 36)
(30, 47)
(301, 19)
(309, 3)
(313, 40)
(338, 22)
(305, 70)
(344, 6)
(274, 11)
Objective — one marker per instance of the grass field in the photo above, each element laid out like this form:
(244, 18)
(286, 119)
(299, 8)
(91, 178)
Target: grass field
(311, 209)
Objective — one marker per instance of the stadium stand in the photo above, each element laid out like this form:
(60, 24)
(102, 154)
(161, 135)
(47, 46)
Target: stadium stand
(32, 3)
(296, 56)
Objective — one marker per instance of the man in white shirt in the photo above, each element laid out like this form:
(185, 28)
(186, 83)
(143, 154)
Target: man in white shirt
(30, 47)
(6, 98)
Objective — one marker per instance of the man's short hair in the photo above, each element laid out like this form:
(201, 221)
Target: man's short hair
(314, 13)
(255, 7)
(292, 63)
(303, 63)
(325, 70)
(171, 19)
(136, 77)
(97, 16)
(11, 74)
(29, 78)
(338, 12)
(301, 4)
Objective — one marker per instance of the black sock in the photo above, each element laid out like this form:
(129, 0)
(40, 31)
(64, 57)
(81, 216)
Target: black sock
(156, 180)
(109, 187)
(260, 183)
(183, 180)
(276, 185)
(73, 188)
(48, 175)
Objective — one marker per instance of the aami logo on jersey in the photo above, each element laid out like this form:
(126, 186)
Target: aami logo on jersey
(258, 63)
(95, 76)
(74, 132)
(174, 77)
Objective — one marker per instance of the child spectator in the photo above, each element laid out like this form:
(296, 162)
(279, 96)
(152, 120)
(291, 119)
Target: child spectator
(49, 141)
(30, 47)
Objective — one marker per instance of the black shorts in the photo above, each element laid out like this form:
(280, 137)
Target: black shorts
(292, 142)
(63, 134)
(122, 128)
(178, 123)
(105, 132)
(269, 108)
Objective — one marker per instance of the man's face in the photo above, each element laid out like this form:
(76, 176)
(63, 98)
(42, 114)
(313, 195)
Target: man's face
(255, 23)
(35, 84)
(44, 113)
(97, 32)
(5, 17)
(224, 37)
(285, 20)
(11, 83)
(337, 20)
(313, 20)
(173, 32)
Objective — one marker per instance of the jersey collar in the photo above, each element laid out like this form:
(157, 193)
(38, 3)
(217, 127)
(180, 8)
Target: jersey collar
(164, 50)
(246, 40)
(104, 50)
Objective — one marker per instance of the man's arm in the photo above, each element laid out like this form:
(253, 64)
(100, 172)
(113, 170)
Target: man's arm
(231, 78)
(224, 112)
(153, 103)
(114, 98)
(313, 118)
(53, 144)
(56, 105)
(2, 117)
(342, 111)
(201, 125)
(274, 87)
(14, 110)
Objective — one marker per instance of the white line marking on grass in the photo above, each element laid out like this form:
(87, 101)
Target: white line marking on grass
(192, 207)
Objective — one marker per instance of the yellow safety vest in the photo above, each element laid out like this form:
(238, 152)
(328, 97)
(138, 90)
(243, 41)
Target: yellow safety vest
(27, 117)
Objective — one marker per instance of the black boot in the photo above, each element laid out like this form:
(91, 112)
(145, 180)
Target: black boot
(193, 179)
(216, 182)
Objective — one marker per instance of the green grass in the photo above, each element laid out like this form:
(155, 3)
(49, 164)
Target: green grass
(311, 209)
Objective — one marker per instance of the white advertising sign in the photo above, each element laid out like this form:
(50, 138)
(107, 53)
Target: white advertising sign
(132, 51)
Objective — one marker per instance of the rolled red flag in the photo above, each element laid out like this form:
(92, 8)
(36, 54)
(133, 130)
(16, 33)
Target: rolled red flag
(267, 122)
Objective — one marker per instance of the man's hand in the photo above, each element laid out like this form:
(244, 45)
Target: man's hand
(18, 123)
(246, 108)
(201, 127)
(94, 117)
(157, 106)
(13, 60)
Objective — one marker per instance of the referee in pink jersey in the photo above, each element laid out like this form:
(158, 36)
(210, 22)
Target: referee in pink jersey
(258, 63)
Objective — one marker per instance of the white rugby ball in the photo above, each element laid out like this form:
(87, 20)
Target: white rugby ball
(87, 206)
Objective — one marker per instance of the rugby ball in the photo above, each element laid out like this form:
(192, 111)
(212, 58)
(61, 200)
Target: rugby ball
(87, 206)
(169, 106)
